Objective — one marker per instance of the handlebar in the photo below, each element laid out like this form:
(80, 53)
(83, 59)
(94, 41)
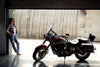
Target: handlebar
(54, 32)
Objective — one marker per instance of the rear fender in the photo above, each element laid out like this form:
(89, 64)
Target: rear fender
(40, 46)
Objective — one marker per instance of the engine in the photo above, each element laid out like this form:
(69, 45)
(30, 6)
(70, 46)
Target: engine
(60, 47)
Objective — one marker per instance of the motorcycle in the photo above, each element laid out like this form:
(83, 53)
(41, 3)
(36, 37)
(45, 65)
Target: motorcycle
(62, 47)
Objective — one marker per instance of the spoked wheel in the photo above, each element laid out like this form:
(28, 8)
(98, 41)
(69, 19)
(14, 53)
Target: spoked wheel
(39, 54)
(82, 56)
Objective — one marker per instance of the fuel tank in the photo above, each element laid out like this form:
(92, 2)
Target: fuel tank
(60, 40)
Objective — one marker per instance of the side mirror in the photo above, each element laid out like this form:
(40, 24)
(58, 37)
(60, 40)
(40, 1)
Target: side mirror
(44, 35)
(67, 34)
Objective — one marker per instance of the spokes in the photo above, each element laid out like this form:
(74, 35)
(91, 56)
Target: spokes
(40, 54)
(82, 55)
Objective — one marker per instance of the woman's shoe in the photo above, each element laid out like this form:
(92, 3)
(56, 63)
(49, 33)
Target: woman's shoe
(18, 53)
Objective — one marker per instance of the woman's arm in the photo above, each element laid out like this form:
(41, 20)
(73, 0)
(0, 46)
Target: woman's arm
(8, 31)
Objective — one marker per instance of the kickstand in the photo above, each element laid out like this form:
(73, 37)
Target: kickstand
(64, 59)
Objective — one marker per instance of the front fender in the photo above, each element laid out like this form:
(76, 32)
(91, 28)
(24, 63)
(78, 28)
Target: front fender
(40, 46)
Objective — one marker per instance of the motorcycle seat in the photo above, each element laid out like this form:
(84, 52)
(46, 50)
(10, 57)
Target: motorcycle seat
(82, 41)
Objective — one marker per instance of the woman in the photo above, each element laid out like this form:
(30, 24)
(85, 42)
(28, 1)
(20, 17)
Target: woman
(12, 31)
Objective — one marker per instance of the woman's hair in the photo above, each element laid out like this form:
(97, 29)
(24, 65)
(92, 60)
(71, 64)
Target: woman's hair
(10, 20)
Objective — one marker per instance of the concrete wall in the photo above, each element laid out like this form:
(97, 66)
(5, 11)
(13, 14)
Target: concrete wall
(81, 23)
(89, 22)
(2, 28)
(34, 23)
(78, 23)
(93, 23)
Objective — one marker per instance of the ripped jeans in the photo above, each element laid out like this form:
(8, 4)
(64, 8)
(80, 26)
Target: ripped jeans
(14, 40)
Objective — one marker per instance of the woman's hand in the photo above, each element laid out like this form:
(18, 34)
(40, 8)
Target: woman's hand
(11, 34)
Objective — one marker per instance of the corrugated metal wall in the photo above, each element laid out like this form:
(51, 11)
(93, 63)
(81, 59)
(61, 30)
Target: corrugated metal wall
(34, 23)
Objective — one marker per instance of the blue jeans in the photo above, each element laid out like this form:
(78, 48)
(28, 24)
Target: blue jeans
(14, 40)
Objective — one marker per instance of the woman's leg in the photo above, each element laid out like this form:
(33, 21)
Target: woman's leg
(13, 43)
(15, 39)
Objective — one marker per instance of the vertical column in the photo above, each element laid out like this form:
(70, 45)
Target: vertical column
(2, 29)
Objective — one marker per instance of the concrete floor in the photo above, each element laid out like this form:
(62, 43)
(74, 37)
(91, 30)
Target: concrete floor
(50, 60)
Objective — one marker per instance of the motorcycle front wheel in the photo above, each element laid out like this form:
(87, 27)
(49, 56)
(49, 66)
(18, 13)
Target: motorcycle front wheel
(39, 54)
(82, 56)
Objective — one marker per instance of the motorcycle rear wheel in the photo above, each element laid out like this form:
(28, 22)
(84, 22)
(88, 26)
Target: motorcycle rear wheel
(82, 56)
(39, 54)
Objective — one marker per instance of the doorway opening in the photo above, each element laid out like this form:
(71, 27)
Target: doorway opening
(33, 23)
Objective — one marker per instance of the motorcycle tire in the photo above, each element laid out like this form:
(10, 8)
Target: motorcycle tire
(42, 52)
(82, 56)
